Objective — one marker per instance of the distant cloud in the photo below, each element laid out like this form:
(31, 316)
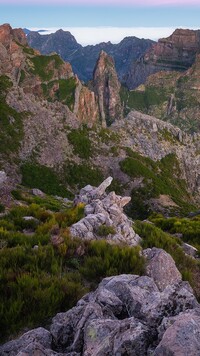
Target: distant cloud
(94, 35)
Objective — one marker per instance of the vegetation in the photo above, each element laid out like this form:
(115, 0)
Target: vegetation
(188, 227)
(44, 178)
(161, 177)
(79, 175)
(11, 122)
(50, 277)
(79, 138)
(142, 100)
(155, 237)
(64, 93)
(42, 65)
(104, 230)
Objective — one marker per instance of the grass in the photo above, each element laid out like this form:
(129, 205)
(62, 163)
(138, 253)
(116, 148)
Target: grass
(65, 92)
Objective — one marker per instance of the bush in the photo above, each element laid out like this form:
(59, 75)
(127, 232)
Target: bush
(42, 177)
(81, 142)
(104, 230)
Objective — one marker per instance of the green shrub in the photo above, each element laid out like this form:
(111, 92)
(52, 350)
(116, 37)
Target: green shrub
(107, 260)
(42, 177)
(104, 230)
(81, 143)
(155, 237)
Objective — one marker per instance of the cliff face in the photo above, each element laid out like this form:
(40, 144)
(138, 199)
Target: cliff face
(107, 88)
(46, 77)
(176, 52)
(172, 96)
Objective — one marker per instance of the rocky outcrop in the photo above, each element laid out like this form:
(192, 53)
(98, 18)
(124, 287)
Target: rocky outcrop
(86, 104)
(107, 88)
(104, 217)
(125, 315)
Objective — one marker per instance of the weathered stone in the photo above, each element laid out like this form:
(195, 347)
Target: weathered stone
(161, 267)
(104, 209)
(107, 88)
(38, 193)
(190, 250)
(182, 337)
(3, 178)
(39, 335)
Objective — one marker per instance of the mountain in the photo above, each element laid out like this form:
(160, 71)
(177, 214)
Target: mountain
(83, 59)
(45, 110)
(174, 53)
(89, 195)
(172, 96)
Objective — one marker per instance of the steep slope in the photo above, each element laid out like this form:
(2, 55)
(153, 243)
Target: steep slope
(170, 96)
(176, 52)
(51, 139)
(83, 59)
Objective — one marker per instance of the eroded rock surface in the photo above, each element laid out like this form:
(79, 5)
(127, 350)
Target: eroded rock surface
(126, 315)
(104, 210)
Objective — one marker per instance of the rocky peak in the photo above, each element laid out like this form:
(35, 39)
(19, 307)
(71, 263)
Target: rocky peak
(107, 88)
(7, 35)
(176, 52)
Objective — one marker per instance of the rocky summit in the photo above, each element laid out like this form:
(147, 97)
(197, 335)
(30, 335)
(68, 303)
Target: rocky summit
(125, 315)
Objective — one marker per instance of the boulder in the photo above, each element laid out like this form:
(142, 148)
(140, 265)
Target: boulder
(39, 336)
(125, 315)
(161, 267)
(182, 337)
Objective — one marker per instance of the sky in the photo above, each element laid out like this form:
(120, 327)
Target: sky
(93, 21)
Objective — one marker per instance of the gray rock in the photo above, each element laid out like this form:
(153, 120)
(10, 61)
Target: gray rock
(38, 193)
(182, 337)
(3, 178)
(161, 267)
(40, 336)
(104, 209)
(190, 250)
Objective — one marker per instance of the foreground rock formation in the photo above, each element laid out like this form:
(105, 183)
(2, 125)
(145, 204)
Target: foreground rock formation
(126, 315)
(104, 211)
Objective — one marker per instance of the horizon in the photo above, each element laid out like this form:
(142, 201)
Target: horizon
(105, 20)
(116, 35)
